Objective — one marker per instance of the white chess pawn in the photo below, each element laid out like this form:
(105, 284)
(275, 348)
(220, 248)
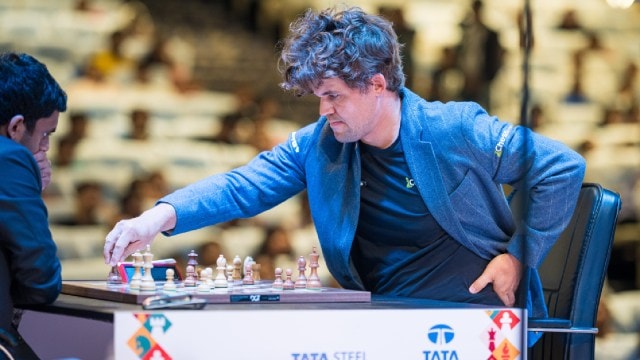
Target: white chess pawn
(204, 286)
(221, 279)
(169, 285)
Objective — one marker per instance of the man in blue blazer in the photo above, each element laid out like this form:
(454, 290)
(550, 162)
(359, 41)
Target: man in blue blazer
(406, 195)
(30, 102)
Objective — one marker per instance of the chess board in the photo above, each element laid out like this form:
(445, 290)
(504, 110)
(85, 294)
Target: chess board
(262, 292)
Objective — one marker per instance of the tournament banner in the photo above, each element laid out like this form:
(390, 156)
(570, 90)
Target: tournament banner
(280, 334)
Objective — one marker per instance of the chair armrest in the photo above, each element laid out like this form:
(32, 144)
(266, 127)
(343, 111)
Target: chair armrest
(557, 325)
(552, 323)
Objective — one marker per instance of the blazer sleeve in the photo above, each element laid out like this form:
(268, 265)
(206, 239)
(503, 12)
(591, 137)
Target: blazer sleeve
(545, 174)
(26, 240)
(267, 180)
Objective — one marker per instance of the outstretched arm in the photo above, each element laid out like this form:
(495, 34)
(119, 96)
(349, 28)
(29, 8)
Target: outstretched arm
(134, 234)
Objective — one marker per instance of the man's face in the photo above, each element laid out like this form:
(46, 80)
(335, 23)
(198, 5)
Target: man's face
(352, 115)
(39, 139)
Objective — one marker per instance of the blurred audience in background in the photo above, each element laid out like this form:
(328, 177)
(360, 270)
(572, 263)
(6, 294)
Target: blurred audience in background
(149, 70)
(275, 251)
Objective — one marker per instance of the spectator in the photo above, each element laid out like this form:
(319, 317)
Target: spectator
(480, 57)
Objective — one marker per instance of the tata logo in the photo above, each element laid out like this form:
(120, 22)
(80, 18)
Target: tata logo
(440, 334)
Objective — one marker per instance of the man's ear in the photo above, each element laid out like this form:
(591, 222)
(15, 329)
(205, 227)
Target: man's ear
(378, 83)
(16, 128)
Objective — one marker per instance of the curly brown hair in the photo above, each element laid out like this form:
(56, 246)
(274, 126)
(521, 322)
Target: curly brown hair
(348, 44)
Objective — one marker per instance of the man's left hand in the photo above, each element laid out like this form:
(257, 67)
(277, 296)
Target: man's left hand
(45, 168)
(504, 272)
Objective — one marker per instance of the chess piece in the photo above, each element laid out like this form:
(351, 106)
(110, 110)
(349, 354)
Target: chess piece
(288, 283)
(190, 279)
(255, 271)
(278, 283)
(193, 261)
(204, 286)
(301, 282)
(134, 283)
(248, 277)
(221, 278)
(114, 277)
(237, 268)
(314, 281)
(147, 283)
(169, 285)
(208, 277)
(229, 275)
(247, 261)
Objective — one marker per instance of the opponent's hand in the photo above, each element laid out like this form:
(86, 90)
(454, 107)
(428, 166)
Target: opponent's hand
(45, 168)
(135, 234)
(504, 272)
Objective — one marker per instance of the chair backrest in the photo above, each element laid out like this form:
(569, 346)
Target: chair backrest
(574, 271)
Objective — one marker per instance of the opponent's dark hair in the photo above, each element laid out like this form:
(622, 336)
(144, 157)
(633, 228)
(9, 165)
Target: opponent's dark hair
(28, 89)
(347, 44)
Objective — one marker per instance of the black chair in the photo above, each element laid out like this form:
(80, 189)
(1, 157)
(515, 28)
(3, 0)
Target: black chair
(573, 275)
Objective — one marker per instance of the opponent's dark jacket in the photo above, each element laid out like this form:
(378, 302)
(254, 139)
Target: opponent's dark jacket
(30, 271)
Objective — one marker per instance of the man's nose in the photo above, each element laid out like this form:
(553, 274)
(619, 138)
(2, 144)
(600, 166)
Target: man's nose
(325, 108)
(44, 144)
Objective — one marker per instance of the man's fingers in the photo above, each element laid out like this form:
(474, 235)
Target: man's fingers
(116, 243)
(508, 298)
(109, 243)
(479, 284)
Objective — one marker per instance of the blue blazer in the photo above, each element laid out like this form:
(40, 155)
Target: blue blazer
(459, 157)
(30, 271)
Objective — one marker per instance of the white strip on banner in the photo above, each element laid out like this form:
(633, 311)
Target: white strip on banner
(380, 334)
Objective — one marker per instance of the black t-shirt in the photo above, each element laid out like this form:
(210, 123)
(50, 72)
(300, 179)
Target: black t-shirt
(399, 248)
